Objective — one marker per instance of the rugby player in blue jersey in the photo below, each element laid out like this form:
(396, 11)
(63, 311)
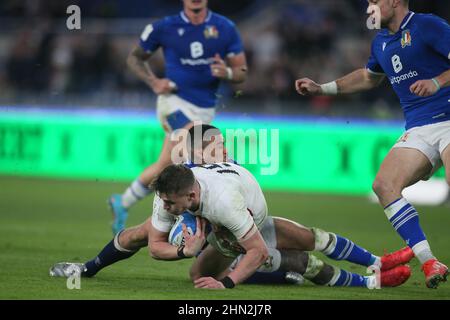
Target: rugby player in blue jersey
(413, 52)
(201, 48)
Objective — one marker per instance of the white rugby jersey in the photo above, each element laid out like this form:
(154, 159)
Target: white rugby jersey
(230, 199)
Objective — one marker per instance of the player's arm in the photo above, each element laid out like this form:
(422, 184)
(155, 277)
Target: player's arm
(256, 254)
(137, 61)
(161, 249)
(426, 88)
(235, 70)
(356, 81)
(443, 80)
(435, 32)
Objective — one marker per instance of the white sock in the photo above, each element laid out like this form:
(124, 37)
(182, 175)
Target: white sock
(135, 192)
(422, 251)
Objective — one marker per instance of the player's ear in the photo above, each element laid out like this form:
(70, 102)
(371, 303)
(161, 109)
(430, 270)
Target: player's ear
(191, 195)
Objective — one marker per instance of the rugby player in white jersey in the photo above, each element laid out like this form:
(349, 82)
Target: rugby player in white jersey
(126, 243)
(231, 200)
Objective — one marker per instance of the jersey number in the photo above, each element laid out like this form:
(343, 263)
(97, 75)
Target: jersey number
(397, 64)
(220, 167)
(196, 49)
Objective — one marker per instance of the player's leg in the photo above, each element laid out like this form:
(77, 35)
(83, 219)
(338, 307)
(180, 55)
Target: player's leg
(401, 168)
(446, 161)
(291, 235)
(435, 271)
(321, 273)
(124, 245)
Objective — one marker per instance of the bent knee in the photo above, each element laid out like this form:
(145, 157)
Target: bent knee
(382, 187)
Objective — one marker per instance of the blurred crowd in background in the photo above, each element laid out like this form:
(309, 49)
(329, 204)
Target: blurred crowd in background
(44, 63)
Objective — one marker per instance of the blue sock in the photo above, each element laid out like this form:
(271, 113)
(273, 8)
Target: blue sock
(345, 249)
(109, 255)
(348, 279)
(405, 219)
(276, 277)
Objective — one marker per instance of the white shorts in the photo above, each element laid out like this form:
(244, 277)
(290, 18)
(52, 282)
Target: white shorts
(430, 139)
(174, 112)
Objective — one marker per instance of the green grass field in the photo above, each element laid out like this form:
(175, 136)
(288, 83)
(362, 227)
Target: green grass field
(47, 221)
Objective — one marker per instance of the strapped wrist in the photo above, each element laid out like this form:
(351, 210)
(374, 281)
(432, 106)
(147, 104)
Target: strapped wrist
(228, 282)
(180, 252)
(330, 88)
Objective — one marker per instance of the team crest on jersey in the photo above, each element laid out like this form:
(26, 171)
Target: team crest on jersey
(406, 38)
(384, 45)
(180, 32)
(211, 32)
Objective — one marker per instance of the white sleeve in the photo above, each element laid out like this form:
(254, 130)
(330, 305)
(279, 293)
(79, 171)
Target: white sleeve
(235, 216)
(161, 219)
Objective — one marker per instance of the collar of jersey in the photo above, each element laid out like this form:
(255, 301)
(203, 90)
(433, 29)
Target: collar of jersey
(406, 20)
(403, 25)
(186, 19)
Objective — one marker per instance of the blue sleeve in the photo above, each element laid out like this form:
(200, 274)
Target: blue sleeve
(234, 40)
(151, 36)
(436, 33)
(372, 65)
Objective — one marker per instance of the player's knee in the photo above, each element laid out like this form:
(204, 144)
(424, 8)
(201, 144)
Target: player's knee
(382, 187)
(322, 239)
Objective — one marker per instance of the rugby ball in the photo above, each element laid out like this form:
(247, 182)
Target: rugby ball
(176, 233)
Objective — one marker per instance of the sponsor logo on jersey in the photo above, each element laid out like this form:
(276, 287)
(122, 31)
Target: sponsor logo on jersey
(211, 32)
(406, 76)
(406, 38)
(197, 62)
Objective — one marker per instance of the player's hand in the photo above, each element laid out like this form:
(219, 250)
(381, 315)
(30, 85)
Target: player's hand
(307, 87)
(219, 68)
(163, 86)
(423, 88)
(208, 283)
(194, 243)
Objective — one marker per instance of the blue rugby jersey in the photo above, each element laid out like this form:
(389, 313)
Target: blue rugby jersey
(420, 50)
(189, 50)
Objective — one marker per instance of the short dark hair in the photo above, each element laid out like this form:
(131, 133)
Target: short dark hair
(203, 128)
(175, 179)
